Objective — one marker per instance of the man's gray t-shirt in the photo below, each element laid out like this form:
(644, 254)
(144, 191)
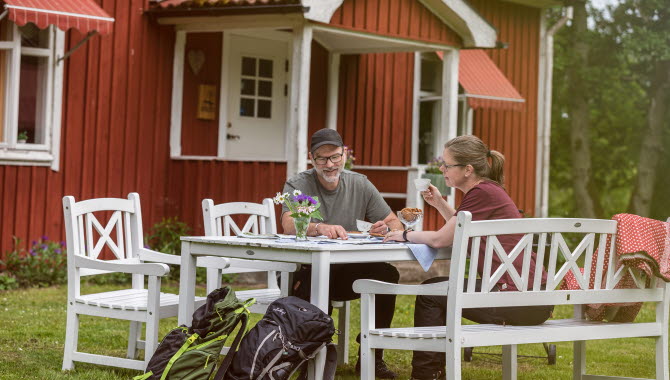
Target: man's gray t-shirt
(354, 198)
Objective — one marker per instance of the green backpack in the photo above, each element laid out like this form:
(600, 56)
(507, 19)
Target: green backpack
(192, 353)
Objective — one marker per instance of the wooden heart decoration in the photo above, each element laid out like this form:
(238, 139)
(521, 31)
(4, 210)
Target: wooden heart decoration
(196, 59)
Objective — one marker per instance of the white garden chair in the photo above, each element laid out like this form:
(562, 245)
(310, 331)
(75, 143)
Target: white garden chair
(122, 234)
(262, 220)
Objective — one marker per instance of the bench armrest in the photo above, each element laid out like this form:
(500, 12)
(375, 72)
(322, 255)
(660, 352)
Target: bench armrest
(151, 269)
(380, 287)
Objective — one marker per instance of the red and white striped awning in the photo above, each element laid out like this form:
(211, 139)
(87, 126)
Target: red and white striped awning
(83, 15)
(484, 84)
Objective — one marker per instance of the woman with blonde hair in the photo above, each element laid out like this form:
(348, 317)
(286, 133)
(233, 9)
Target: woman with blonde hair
(470, 166)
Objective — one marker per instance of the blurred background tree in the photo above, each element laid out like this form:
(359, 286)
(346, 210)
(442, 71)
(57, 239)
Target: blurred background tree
(610, 129)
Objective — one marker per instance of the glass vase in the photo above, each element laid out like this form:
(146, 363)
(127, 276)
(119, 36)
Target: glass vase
(301, 224)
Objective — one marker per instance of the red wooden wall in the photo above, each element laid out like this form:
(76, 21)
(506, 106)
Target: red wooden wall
(514, 133)
(116, 120)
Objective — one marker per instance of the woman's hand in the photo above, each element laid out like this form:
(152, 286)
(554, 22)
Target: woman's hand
(395, 235)
(432, 196)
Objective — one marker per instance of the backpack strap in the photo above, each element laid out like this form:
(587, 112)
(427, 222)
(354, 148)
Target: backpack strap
(233, 348)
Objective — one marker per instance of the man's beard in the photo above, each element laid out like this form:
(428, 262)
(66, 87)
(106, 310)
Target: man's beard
(332, 178)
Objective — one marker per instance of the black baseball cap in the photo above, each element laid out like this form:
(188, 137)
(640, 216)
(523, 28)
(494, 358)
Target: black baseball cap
(325, 136)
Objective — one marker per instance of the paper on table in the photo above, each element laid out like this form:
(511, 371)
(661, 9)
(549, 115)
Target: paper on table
(424, 254)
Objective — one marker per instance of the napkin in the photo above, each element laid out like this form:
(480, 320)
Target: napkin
(424, 254)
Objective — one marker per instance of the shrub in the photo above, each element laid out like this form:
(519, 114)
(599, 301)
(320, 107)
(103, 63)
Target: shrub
(7, 282)
(45, 264)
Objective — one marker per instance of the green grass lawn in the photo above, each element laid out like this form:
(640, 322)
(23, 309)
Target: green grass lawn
(33, 332)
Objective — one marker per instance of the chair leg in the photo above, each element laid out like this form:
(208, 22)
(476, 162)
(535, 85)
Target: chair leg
(71, 337)
(509, 363)
(453, 354)
(343, 339)
(133, 338)
(578, 359)
(662, 371)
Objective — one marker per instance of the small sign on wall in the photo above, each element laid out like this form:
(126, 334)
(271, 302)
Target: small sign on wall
(206, 102)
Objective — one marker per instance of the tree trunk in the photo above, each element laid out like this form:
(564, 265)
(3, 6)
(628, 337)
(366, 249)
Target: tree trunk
(651, 149)
(586, 198)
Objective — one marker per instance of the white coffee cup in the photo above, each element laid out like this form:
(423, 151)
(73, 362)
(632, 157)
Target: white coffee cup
(421, 184)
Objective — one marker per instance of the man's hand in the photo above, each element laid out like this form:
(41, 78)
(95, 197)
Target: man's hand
(332, 231)
(380, 228)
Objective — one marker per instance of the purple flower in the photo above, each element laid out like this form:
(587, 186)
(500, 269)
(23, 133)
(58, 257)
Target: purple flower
(45, 237)
(32, 252)
(62, 244)
(34, 242)
(57, 250)
(303, 197)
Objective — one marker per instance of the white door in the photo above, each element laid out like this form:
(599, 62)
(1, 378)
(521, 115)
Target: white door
(257, 74)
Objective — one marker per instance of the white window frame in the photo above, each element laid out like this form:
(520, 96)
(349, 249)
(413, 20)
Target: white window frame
(178, 87)
(47, 153)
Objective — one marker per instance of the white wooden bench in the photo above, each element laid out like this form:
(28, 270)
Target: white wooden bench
(553, 233)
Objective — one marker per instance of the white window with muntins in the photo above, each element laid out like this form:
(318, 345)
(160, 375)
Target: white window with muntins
(30, 94)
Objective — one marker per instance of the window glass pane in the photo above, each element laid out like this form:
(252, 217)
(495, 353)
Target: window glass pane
(246, 107)
(31, 99)
(431, 75)
(265, 88)
(5, 30)
(248, 87)
(31, 36)
(264, 108)
(427, 131)
(248, 66)
(265, 68)
(4, 66)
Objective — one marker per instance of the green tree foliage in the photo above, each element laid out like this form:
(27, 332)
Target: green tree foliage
(617, 84)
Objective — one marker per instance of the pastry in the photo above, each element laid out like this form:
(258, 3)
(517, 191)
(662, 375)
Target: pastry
(411, 214)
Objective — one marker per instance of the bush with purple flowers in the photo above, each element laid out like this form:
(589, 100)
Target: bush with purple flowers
(44, 264)
(299, 204)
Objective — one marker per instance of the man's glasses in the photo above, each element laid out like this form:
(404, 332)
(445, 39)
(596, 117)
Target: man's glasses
(446, 167)
(335, 158)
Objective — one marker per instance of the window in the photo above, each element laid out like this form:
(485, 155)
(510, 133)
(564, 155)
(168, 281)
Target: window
(30, 101)
(430, 107)
(430, 99)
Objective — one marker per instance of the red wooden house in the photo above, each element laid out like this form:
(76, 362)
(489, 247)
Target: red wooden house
(182, 100)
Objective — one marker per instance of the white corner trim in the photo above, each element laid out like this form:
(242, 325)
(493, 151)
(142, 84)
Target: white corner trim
(473, 29)
(177, 94)
(57, 99)
(321, 10)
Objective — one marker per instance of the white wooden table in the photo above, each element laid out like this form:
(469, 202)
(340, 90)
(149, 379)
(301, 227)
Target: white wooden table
(319, 255)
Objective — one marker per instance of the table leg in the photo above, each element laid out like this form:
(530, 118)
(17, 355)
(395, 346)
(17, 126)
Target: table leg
(186, 285)
(319, 297)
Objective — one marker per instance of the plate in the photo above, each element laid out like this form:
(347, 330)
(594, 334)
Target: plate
(357, 235)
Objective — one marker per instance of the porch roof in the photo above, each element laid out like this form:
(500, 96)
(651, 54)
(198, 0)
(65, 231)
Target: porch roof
(457, 15)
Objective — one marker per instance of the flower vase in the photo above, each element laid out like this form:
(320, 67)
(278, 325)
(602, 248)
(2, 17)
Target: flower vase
(301, 224)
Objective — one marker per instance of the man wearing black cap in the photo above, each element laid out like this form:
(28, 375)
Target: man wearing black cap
(344, 196)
